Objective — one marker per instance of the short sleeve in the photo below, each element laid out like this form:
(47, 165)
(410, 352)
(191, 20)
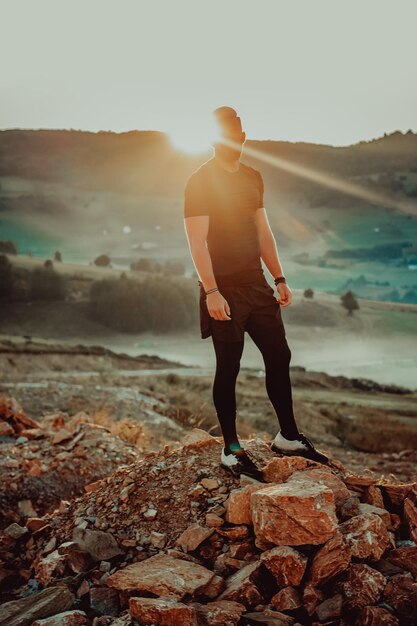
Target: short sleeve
(195, 198)
(261, 191)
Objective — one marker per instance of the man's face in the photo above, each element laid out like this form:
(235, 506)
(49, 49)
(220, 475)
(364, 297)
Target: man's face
(228, 151)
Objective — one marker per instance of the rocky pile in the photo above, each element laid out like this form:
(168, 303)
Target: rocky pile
(44, 463)
(174, 539)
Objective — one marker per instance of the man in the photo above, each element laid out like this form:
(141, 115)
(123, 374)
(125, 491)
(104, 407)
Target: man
(228, 234)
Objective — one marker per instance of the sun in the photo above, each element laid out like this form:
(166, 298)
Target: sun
(193, 136)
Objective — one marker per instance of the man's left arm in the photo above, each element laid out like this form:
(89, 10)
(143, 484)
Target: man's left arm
(269, 254)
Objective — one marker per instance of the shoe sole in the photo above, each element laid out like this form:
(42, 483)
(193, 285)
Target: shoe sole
(303, 453)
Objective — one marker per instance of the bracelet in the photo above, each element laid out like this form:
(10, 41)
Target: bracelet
(211, 290)
(280, 279)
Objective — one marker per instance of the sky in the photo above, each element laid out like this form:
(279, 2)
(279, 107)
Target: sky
(322, 71)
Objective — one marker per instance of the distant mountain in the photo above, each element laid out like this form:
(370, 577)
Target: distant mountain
(145, 162)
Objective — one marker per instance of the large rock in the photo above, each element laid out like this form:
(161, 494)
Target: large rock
(241, 586)
(286, 564)
(401, 594)
(25, 611)
(279, 469)
(294, 513)
(331, 559)
(376, 616)
(362, 587)
(218, 613)
(287, 599)
(68, 618)
(161, 612)
(322, 476)
(366, 535)
(162, 575)
(99, 545)
(238, 509)
(404, 557)
(330, 609)
(193, 536)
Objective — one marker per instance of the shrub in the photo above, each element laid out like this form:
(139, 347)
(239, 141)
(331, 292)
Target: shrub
(102, 261)
(308, 293)
(349, 302)
(46, 284)
(6, 278)
(155, 304)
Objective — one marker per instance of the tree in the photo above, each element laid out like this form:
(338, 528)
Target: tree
(57, 256)
(308, 293)
(349, 302)
(103, 260)
(6, 279)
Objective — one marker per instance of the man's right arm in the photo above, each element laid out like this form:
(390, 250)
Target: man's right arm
(196, 221)
(196, 229)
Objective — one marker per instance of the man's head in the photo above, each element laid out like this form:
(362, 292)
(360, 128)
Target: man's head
(231, 137)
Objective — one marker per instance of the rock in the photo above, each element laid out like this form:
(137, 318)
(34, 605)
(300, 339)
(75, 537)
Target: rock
(366, 535)
(99, 545)
(240, 587)
(330, 609)
(401, 594)
(162, 575)
(376, 616)
(25, 611)
(50, 567)
(396, 494)
(294, 513)
(238, 509)
(322, 476)
(331, 559)
(198, 435)
(287, 599)
(161, 612)
(193, 536)
(410, 515)
(363, 586)
(311, 598)
(404, 557)
(15, 531)
(372, 495)
(68, 618)
(270, 618)
(279, 469)
(210, 483)
(286, 564)
(383, 513)
(349, 508)
(104, 601)
(158, 539)
(213, 521)
(218, 613)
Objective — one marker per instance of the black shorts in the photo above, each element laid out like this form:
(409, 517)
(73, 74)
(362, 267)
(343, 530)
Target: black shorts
(252, 305)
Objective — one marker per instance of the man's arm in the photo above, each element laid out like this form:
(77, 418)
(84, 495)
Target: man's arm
(196, 229)
(268, 246)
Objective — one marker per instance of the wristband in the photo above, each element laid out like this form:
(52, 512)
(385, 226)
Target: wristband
(280, 279)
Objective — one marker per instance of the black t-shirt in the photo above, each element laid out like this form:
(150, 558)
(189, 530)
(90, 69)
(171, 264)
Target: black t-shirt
(230, 199)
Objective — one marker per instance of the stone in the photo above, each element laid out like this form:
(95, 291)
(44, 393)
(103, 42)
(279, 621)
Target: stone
(193, 536)
(240, 586)
(349, 508)
(286, 564)
(370, 508)
(162, 575)
(396, 494)
(238, 509)
(287, 599)
(218, 613)
(366, 535)
(331, 559)
(105, 601)
(330, 609)
(294, 513)
(322, 476)
(25, 611)
(161, 612)
(99, 545)
(376, 616)
(410, 515)
(401, 593)
(210, 483)
(363, 586)
(404, 557)
(68, 618)
(268, 617)
(50, 567)
(15, 531)
(213, 521)
(372, 495)
(311, 598)
(279, 469)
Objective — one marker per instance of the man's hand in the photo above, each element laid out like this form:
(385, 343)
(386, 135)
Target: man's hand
(218, 306)
(285, 294)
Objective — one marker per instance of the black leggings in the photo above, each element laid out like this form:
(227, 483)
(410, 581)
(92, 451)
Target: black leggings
(276, 355)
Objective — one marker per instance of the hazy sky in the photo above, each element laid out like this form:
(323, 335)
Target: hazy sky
(324, 71)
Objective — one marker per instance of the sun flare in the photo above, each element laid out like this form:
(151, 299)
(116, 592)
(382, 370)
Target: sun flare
(192, 136)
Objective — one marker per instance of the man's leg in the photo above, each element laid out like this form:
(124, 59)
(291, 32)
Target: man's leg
(228, 355)
(271, 340)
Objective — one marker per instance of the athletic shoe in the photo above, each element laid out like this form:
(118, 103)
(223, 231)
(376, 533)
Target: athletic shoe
(302, 446)
(239, 463)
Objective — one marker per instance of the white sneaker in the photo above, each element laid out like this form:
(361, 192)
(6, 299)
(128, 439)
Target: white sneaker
(288, 444)
(240, 464)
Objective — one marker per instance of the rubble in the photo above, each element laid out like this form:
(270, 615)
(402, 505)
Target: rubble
(173, 538)
(43, 463)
